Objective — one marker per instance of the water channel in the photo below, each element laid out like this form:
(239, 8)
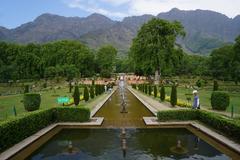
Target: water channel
(124, 135)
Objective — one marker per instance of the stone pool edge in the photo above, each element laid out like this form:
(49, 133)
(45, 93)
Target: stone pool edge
(9, 153)
(94, 121)
(152, 121)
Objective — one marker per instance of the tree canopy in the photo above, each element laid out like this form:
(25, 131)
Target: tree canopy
(153, 48)
(61, 58)
(106, 59)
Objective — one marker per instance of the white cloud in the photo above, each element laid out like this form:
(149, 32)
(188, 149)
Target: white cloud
(229, 7)
(93, 7)
(116, 2)
(123, 8)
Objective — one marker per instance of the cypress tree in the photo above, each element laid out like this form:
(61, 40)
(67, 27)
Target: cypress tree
(76, 95)
(26, 88)
(70, 87)
(86, 94)
(96, 89)
(155, 91)
(92, 91)
(173, 98)
(162, 93)
(150, 90)
(146, 88)
(215, 85)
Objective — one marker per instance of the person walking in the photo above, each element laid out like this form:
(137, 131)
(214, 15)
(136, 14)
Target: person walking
(196, 103)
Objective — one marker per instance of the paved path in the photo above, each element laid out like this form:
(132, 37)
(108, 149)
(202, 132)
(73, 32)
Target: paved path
(153, 102)
(163, 106)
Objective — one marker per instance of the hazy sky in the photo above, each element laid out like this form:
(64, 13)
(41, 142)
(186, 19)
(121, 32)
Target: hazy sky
(16, 12)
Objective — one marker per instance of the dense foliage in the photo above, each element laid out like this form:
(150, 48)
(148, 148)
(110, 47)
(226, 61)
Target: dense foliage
(225, 62)
(31, 101)
(61, 58)
(153, 48)
(220, 100)
(72, 114)
(16, 129)
(106, 58)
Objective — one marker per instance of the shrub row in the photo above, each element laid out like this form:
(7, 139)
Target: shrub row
(18, 128)
(99, 89)
(227, 126)
(74, 114)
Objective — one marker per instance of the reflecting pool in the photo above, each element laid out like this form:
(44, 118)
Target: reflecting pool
(141, 144)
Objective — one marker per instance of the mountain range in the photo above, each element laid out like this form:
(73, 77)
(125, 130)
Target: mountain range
(205, 30)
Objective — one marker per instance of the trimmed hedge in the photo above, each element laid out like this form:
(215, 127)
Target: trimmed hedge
(229, 127)
(220, 100)
(31, 101)
(180, 115)
(66, 114)
(18, 128)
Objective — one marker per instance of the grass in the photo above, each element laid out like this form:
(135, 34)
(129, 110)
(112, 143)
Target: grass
(205, 95)
(48, 100)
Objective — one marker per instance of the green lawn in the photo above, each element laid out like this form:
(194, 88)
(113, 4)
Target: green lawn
(205, 95)
(48, 100)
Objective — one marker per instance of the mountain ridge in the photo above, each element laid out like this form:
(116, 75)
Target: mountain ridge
(205, 29)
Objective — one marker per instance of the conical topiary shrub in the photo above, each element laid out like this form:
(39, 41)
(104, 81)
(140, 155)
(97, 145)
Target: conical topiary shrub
(31, 101)
(86, 94)
(162, 93)
(92, 91)
(76, 96)
(173, 98)
(155, 91)
(215, 85)
(150, 90)
(146, 88)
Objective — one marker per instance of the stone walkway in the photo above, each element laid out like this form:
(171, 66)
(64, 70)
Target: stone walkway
(161, 106)
(156, 105)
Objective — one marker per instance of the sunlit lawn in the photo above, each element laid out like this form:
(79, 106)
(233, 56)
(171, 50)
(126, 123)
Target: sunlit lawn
(48, 100)
(205, 96)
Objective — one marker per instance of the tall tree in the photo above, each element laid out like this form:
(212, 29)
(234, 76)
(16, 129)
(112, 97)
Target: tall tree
(235, 71)
(153, 48)
(106, 58)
